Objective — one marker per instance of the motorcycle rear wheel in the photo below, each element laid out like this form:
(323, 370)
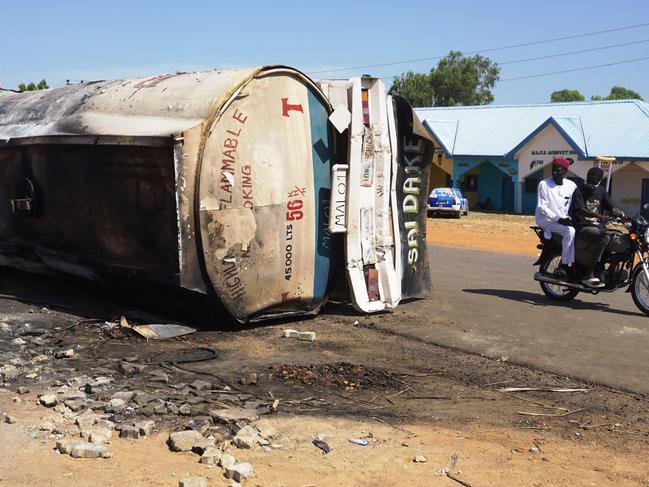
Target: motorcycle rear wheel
(640, 290)
(553, 291)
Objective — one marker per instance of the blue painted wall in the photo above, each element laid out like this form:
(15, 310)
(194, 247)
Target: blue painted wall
(529, 199)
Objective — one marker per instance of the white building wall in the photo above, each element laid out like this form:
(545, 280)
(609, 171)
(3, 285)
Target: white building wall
(627, 186)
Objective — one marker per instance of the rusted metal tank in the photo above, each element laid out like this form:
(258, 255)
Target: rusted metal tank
(215, 182)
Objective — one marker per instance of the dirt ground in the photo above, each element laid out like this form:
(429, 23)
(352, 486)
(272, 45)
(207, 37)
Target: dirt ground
(406, 397)
(485, 231)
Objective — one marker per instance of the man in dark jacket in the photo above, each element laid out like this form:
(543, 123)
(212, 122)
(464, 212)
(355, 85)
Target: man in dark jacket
(588, 205)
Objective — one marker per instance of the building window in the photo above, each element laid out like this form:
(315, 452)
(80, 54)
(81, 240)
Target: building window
(469, 182)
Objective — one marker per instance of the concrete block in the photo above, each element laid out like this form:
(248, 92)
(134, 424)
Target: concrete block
(90, 450)
(240, 472)
(193, 482)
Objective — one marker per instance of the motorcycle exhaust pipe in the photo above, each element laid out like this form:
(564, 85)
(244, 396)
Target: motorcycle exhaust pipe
(539, 276)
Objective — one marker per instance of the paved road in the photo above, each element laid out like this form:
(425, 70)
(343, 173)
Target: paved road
(488, 303)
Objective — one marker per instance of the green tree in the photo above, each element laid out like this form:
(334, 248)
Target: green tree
(415, 87)
(562, 96)
(456, 80)
(42, 85)
(619, 93)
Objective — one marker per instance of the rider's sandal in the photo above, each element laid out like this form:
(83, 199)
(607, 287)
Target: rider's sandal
(593, 282)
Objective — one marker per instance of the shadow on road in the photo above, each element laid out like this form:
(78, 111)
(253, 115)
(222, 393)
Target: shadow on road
(541, 300)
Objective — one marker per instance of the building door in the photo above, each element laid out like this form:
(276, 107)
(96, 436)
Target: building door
(645, 197)
(507, 194)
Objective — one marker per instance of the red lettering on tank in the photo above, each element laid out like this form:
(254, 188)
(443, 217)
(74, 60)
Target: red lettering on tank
(232, 132)
(239, 116)
(230, 144)
(287, 107)
(246, 186)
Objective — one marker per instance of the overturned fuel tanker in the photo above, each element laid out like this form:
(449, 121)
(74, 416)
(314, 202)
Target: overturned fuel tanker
(257, 188)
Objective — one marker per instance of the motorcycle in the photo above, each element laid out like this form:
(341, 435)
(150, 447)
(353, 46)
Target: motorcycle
(624, 264)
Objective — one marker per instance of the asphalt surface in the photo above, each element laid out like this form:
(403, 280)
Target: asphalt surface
(488, 303)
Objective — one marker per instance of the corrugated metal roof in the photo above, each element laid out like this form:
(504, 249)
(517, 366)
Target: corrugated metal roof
(617, 128)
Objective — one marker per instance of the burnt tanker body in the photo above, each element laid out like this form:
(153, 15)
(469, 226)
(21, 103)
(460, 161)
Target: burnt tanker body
(218, 183)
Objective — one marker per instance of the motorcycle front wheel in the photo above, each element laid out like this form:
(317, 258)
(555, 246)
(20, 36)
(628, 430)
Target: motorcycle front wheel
(640, 290)
(553, 291)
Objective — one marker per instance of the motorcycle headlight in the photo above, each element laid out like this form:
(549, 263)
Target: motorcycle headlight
(646, 236)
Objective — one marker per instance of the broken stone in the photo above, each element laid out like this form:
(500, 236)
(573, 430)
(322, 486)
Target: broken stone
(185, 440)
(46, 426)
(264, 428)
(125, 396)
(117, 405)
(160, 409)
(247, 437)
(193, 482)
(239, 472)
(145, 427)
(158, 376)
(201, 446)
(22, 390)
(48, 400)
(323, 445)
(90, 450)
(8, 419)
(130, 432)
(66, 445)
(249, 379)
(99, 438)
(420, 459)
(185, 410)
(76, 404)
(8, 373)
(141, 397)
(128, 369)
(290, 333)
(211, 456)
(98, 384)
(85, 420)
(308, 336)
(41, 358)
(31, 375)
(201, 425)
(5, 328)
(104, 423)
(227, 461)
(230, 398)
(19, 341)
(233, 415)
(200, 385)
(74, 395)
(69, 353)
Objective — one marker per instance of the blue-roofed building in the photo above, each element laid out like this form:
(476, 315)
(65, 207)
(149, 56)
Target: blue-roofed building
(502, 152)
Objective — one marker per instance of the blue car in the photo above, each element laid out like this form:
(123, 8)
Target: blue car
(447, 201)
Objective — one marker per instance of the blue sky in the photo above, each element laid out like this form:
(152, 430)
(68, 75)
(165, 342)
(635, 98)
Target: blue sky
(116, 39)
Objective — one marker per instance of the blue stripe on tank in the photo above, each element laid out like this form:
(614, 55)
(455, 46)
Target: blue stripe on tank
(321, 153)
